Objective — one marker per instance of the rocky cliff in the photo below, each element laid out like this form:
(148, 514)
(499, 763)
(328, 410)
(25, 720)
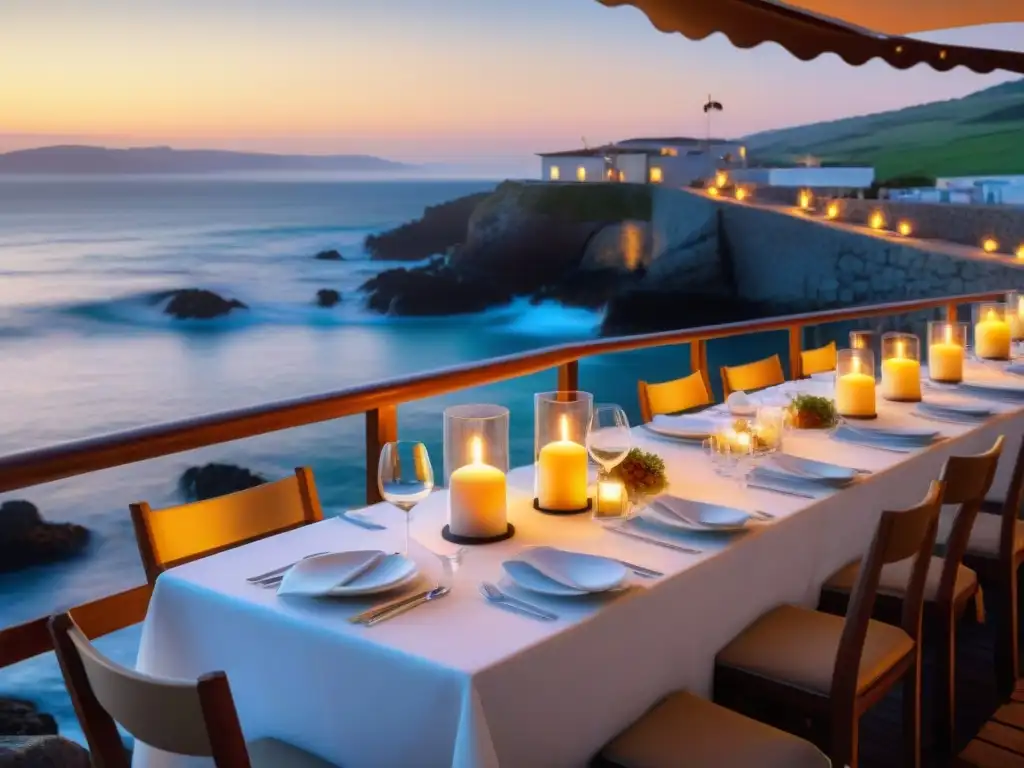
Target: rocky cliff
(441, 227)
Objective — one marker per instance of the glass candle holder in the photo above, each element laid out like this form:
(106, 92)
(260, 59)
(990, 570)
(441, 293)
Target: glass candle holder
(901, 367)
(475, 464)
(855, 384)
(946, 343)
(560, 424)
(991, 331)
(864, 339)
(1015, 315)
(769, 427)
(612, 500)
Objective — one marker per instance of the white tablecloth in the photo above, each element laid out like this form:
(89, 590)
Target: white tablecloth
(462, 683)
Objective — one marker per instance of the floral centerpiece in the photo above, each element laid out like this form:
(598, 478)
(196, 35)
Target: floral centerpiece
(642, 473)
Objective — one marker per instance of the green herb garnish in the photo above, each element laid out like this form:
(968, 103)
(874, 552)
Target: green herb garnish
(813, 412)
(642, 473)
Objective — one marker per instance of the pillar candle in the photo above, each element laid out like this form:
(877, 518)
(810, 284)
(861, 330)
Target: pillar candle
(901, 377)
(476, 498)
(562, 473)
(1016, 317)
(946, 360)
(992, 338)
(855, 394)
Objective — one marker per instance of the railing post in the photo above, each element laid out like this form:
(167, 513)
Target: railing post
(796, 346)
(699, 361)
(952, 312)
(381, 428)
(569, 376)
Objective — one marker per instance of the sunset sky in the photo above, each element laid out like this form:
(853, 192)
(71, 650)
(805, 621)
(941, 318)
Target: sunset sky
(444, 80)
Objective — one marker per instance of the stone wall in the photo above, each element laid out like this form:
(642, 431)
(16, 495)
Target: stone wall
(954, 223)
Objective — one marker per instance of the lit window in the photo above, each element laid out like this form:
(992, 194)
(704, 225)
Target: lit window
(656, 176)
(721, 179)
(612, 174)
(556, 174)
(669, 152)
(581, 174)
(743, 153)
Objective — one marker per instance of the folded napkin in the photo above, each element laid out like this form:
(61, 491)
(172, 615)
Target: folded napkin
(845, 434)
(319, 575)
(694, 425)
(780, 480)
(697, 514)
(587, 573)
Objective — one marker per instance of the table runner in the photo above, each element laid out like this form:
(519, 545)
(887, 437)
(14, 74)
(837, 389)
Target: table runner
(463, 683)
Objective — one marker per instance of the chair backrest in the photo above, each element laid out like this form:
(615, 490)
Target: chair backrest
(672, 396)
(1011, 509)
(967, 479)
(818, 360)
(751, 376)
(181, 717)
(899, 535)
(175, 535)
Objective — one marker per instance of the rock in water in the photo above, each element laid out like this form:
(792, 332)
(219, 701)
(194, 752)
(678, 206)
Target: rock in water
(435, 289)
(23, 718)
(331, 255)
(213, 480)
(327, 297)
(26, 539)
(41, 752)
(199, 304)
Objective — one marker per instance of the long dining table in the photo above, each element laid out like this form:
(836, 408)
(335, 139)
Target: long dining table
(461, 682)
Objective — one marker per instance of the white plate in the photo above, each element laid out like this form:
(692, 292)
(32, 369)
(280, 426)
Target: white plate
(946, 405)
(323, 576)
(1002, 387)
(690, 515)
(589, 573)
(902, 434)
(811, 469)
(829, 376)
(686, 427)
(528, 577)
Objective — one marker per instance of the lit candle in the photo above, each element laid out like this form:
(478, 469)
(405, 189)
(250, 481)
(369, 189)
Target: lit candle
(855, 392)
(476, 497)
(1016, 317)
(992, 338)
(562, 473)
(901, 376)
(946, 359)
(611, 499)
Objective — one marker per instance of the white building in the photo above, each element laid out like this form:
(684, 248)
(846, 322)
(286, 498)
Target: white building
(676, 161)
(975, 190)
(837, 178)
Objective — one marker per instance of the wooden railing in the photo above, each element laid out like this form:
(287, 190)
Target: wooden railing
(379, 402)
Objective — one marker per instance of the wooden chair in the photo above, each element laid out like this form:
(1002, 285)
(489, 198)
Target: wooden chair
(756, 375)
(183, 718)
(818, 360)
(176, 535)
(672, 396)
(949, 587)
(684, 729)
(831, 669)
(995, 550)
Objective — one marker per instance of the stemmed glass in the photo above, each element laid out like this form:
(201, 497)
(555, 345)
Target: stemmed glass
(405, 477)
(609, 438)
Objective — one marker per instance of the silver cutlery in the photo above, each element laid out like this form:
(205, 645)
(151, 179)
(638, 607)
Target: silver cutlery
(656, 542)
(756, 513)
(786, 492)
(434, 594)
(369, 613)
(640, 570)
(370, 526)
(280, 571)
(495, 595)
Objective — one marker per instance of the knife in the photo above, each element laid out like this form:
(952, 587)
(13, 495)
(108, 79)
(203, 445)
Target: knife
(656, 542)
(434, 594)
(369, 613)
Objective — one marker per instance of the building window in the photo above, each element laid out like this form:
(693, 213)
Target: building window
(669, 152)
(655, 175)
(581, 173)
(743, 153)
(555, 173)
(613, 175)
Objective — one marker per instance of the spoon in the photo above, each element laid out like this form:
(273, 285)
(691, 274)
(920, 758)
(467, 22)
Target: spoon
(495, 595)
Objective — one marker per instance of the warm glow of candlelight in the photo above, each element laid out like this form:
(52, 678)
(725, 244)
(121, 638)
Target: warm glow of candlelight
(713, 191)
(990, 245)
(832, 212)
(901, 349)
(877, 220)
(563, 427)
(1020, 251)
(949, 334)
(805, 199)
(476, 450)
(721, 179)
(905, 229)
(741, 193)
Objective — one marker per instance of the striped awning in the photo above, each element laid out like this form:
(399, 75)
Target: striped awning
(855, 30)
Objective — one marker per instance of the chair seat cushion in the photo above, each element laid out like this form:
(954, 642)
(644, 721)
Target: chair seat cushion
(895, 576)
(984, 541)
(271, 753)
(798, 647)
(684, 729)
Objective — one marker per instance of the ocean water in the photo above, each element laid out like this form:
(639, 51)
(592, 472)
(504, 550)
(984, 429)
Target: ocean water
(85, 351)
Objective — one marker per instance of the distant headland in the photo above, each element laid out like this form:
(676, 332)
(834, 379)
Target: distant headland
(75, 159)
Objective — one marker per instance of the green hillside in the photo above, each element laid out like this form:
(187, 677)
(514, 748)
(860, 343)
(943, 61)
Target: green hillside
(977, 134)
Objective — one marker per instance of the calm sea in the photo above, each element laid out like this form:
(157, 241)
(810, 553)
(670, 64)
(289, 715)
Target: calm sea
(84, 351)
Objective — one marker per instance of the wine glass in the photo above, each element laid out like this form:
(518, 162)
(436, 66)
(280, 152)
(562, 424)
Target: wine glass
(609, 438)
(405, 477)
